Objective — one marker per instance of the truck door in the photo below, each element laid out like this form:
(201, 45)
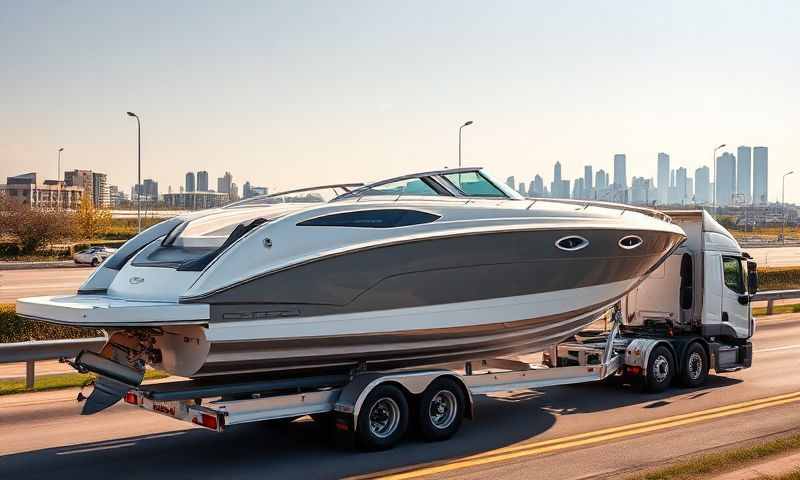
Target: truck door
(735, 301)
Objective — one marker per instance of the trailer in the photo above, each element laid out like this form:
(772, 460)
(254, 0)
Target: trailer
(690, 316)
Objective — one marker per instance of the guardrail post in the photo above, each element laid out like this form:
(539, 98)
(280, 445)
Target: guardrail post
(30, 374)
(770, 305)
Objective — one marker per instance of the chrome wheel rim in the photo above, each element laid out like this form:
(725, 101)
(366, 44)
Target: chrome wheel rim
(384, 417)
(695, 367)
(443, 409)
(660, 368)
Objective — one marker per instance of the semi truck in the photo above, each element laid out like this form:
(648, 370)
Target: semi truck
(690, 316)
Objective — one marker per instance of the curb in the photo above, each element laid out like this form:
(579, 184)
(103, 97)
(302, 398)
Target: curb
(38, 265)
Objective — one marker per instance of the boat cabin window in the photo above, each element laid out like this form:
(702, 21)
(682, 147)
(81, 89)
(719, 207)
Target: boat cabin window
(734, 275)
(388, 218)
(473, 184)
(415, 186)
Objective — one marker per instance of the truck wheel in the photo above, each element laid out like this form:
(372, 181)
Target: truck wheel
(660, 369)
(383, 419)
(695, 366)
(441, 409)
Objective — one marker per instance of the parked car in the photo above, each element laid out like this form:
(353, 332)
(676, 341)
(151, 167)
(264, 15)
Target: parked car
(93, 256)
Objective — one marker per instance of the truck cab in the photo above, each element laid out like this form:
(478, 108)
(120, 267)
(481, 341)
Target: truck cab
(701, 294)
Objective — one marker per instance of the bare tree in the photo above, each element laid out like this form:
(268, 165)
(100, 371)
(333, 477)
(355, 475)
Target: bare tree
(33, 228)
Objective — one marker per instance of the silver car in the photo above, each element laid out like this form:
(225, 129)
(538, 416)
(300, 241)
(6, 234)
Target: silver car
(93, 256)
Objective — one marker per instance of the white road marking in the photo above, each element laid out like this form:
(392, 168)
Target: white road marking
(775, 349)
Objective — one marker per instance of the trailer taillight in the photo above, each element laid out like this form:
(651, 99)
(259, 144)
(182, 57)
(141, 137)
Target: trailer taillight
(206, 420)
(131, 398)
(633, 370)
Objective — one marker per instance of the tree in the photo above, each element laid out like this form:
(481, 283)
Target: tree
(90, 221)
(32, 228)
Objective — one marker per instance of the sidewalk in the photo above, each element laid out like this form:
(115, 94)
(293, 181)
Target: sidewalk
(772, 468)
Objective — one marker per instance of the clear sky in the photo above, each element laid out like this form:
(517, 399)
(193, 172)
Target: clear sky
(292, 93)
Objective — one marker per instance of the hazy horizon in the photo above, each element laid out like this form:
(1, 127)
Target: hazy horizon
(288, 93)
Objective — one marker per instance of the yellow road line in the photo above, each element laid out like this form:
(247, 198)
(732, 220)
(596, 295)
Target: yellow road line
(598, 436)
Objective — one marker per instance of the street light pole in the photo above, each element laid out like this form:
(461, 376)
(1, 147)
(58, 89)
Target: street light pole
(783, 204)
(714, 164)
(58, 178)
(139, 172)
(459, 140)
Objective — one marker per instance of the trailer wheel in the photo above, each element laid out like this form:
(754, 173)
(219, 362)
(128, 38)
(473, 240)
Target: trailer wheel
(695, 366)
(441, 410)
(383, 419)
(660, 369)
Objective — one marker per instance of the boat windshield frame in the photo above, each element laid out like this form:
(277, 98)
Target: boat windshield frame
(439, 183)
(255, 200)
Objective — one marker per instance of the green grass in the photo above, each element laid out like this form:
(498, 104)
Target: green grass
(703, 466)
(761, 311)
(57, 381)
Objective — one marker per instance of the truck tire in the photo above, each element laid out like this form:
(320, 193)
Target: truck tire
(383, 418)
(694, 371)
(660, 369)
(441, 410)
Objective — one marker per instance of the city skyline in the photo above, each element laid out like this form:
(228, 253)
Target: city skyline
(544, 83)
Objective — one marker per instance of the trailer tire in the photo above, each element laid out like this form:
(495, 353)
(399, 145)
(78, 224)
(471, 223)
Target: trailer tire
(383, 419)
(660, 369)
(441, 410)
(694, 371)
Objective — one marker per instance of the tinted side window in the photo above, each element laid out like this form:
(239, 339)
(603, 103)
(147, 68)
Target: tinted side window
(372, 219)
(732, 271)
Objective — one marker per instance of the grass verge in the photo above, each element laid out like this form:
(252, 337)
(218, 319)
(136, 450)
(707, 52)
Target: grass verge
(61, 380)
(761, 311)
(703, 466)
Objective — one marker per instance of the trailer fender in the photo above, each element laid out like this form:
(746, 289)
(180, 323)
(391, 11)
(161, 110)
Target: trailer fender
(354, 393)
(637, 354)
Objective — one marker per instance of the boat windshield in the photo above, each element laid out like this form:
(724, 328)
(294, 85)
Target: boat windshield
(476, 184)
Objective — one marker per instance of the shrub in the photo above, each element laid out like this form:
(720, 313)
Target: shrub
(778, 278)
(90, 221)
(14, 328)
(32, 227)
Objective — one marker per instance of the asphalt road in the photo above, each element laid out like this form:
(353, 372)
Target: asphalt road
(42, 435)
(776, 256)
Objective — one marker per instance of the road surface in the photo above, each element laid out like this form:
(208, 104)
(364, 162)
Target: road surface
(582, 431)
(53, 281)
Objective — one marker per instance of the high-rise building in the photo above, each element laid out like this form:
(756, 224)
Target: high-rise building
(587, 181)
(190, 185)
(224, 183)
(702, 186)
(680, 186)
(558, 189)
(640, 190)
(246, 190)
(743, 179)
(521, 189)
(578, 188)
(511, 182)
(601, 179)
(538, 186)
(760, 174)
(620, 182)
(202, 181)
(689, 190)
(726, 178)
(101, 197)
(663, 178)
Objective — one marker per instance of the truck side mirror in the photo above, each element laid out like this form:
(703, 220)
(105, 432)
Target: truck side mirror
(752, 277)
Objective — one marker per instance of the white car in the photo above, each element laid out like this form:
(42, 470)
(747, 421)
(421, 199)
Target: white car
(93, 256)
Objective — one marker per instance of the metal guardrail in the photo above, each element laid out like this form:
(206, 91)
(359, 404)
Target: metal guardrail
(30, 352)
(771, 295)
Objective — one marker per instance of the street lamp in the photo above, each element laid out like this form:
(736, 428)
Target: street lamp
(783, 204)
(139, 174)
(714, 164)
(58, 173)
(459, 140)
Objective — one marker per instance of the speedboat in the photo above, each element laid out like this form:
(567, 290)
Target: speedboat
(428, 268)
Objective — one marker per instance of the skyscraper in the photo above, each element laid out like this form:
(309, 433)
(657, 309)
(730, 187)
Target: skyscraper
(511, 182)
(538, 185)
(101, 195)
(702, 185)
(224, 183)
(620, 182)
(601, 179)
(760, 174)
(663, 178)
(202, 181)
(743, 179)
(578, 188)
(190, 182)
(521, 189)
(587, 181)
(680, 186)
(726, 178)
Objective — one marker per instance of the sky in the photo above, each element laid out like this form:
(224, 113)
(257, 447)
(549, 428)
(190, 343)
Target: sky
(296, 93)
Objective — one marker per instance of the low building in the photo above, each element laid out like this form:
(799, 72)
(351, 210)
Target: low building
(195, 200)
(27, 190)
